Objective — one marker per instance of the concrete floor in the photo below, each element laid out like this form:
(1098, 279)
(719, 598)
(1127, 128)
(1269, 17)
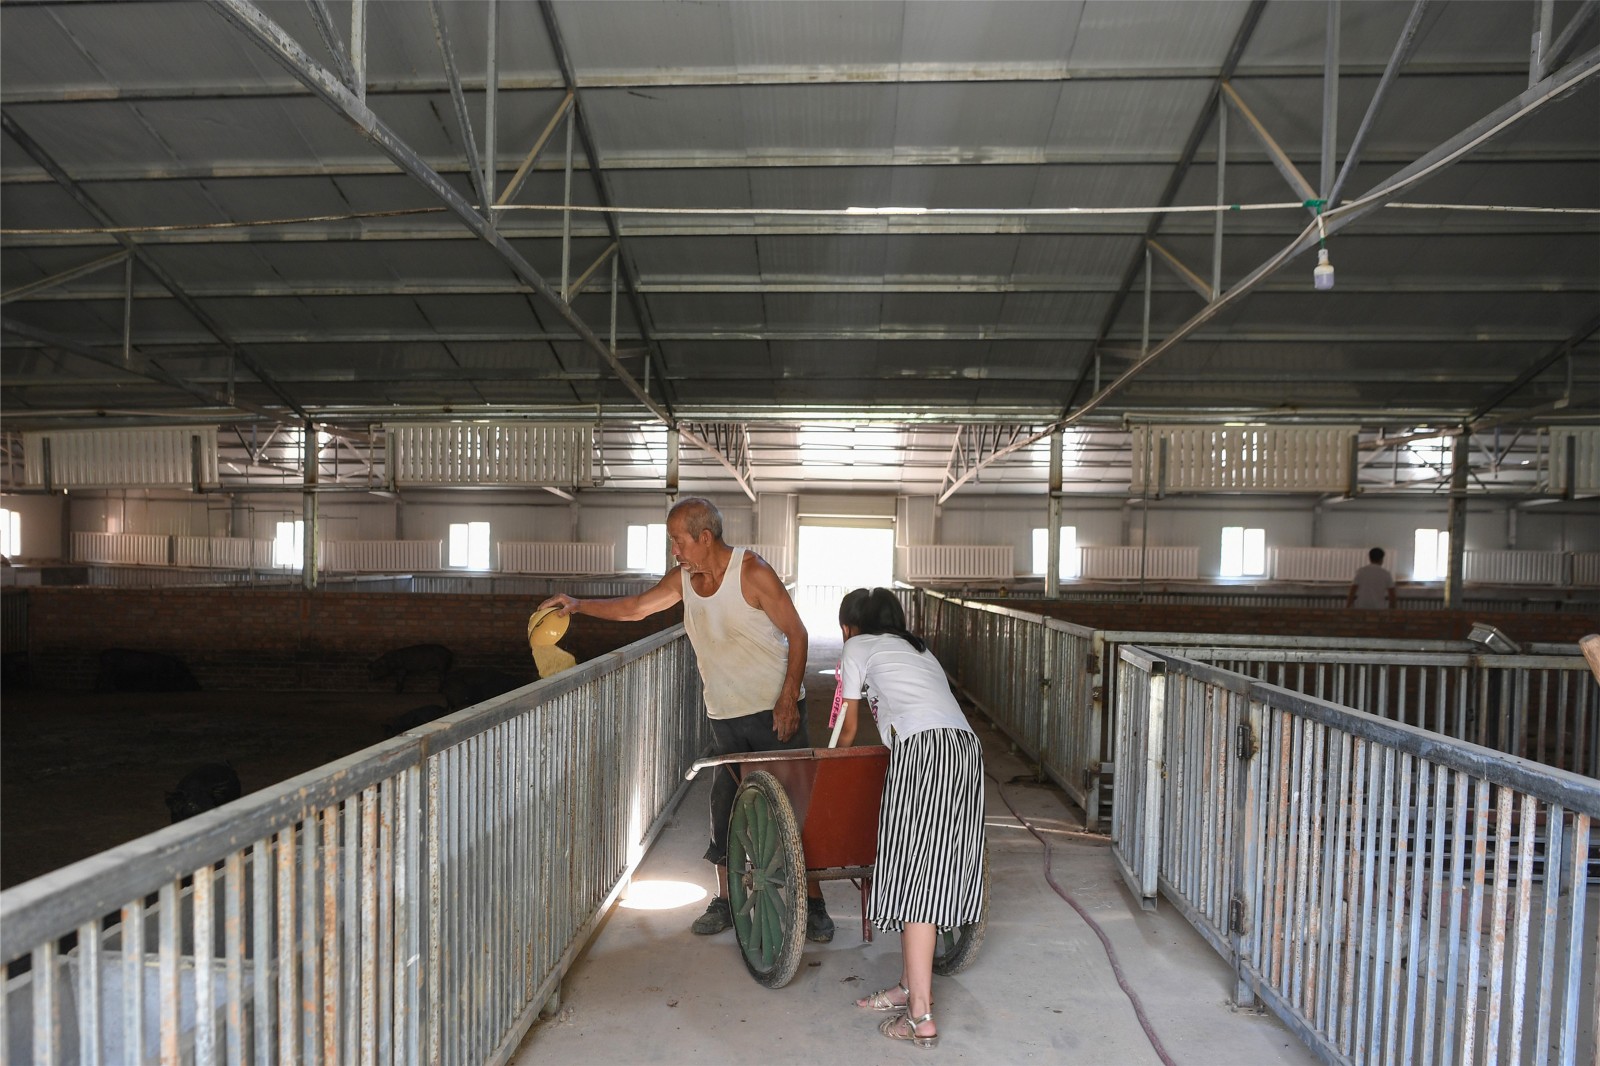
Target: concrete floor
(648, 991)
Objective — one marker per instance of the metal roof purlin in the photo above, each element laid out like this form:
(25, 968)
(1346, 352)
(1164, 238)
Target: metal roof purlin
(1463, 143)
(85, 201)
(277, 43)
(1230, 63)
(641, 315)
(83, 351)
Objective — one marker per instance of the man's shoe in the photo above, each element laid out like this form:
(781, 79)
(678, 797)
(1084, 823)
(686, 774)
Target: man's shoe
(718, 917)
(819, 927)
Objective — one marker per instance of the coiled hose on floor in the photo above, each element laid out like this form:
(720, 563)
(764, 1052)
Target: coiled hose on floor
(1105, 941)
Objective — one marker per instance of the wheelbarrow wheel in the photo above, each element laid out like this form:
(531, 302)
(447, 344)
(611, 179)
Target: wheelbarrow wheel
(954, 949)
(766, 880)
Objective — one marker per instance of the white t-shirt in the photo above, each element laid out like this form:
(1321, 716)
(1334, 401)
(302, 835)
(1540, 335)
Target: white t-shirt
(906, 689)
(1372, 584)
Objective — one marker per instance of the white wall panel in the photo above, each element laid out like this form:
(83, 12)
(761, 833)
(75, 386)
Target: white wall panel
(490, 453)
(556, 557)
(1585, 445)
(1243, 458)
(121, 458)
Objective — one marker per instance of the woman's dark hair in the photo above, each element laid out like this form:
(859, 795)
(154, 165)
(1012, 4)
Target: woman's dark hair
(877, 611)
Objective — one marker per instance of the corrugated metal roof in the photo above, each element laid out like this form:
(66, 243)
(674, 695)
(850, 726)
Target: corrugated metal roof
(711, 121)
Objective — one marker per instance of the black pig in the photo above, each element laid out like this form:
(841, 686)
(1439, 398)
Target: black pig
(416, 659)
(126, 670)
(203, 788)
(474, 684)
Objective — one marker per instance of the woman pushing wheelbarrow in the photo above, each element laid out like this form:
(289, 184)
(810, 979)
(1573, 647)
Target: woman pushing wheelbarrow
(929, 868)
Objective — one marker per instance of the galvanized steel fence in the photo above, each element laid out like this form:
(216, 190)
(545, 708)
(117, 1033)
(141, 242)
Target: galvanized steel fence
(1540, 707)
(1393, 895)
(415, 902)
(1051, 685)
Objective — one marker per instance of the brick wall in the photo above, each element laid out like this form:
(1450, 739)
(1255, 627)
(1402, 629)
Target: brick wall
(291, 639)
(1555, 627)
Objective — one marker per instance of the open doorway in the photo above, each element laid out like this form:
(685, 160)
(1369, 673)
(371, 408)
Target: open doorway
(835, 558)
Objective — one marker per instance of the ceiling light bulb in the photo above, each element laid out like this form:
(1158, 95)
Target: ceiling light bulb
(1322, 276)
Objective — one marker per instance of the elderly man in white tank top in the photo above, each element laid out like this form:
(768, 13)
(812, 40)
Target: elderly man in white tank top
(751, 648)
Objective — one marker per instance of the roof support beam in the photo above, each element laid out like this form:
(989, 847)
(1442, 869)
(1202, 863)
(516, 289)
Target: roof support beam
(1491, 125)
(1402, 49)
(583, 279)
(100, 215)
(150, 373)
(330, 39)
(730, 446)
(602, 194)
(1187, 276)
(277, 43)
(1280, 159)
(1330, 101)
(1502, 118)
(1539, 366)
(514, 186)
(976, 446)
(1558, 52)
(469, 140)
(70, 274)
(1212, 104)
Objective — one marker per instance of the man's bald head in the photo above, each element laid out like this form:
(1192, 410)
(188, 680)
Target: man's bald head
(697, 514)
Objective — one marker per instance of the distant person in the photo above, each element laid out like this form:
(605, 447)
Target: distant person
(1373, 586)
(928, 871)
(751, 648)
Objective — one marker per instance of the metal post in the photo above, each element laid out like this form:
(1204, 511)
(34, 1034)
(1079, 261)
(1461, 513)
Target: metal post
(1144, 342)
(1457, 523)
(1544, 19)
(1330, 101)
(127, 313)
(1052, 574)
(491, 86)
(1222, 166)
(566, 212)
(672, 462)
(308, 524)
(358, 48)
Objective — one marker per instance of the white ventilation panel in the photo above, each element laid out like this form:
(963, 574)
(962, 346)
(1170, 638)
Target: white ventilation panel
(557, 557)
(1243, 458)
(1586, 459)
(958, 562)
(164, 457)
(491, 453)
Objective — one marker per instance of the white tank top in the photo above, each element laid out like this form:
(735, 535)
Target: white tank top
(743, 657)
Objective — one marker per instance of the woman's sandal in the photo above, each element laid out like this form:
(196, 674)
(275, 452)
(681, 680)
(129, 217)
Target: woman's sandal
(881, 1001)
(904, 1027)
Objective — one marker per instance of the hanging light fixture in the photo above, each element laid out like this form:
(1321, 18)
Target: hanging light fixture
(1322, 273)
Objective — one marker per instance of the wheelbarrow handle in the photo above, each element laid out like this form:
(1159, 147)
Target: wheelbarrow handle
(790, 755)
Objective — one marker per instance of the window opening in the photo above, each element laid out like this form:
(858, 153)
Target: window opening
(1244, 551)
(469, 545)
(1431, 559)
(288, 545)
(647, 548)
(1070, 567)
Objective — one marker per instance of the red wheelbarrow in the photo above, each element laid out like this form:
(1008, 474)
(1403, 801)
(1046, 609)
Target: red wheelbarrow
(809, 814)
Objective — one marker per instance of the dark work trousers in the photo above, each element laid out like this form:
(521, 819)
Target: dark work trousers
(752, 732)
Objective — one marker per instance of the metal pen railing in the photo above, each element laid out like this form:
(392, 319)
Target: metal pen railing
(1051, 685)
(1391, 894)
(1540, 707)
(418, 901)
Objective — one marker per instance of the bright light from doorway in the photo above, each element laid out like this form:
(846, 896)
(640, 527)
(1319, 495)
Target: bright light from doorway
(834, 560)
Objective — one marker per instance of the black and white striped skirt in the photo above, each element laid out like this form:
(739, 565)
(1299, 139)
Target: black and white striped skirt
(930, 833)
